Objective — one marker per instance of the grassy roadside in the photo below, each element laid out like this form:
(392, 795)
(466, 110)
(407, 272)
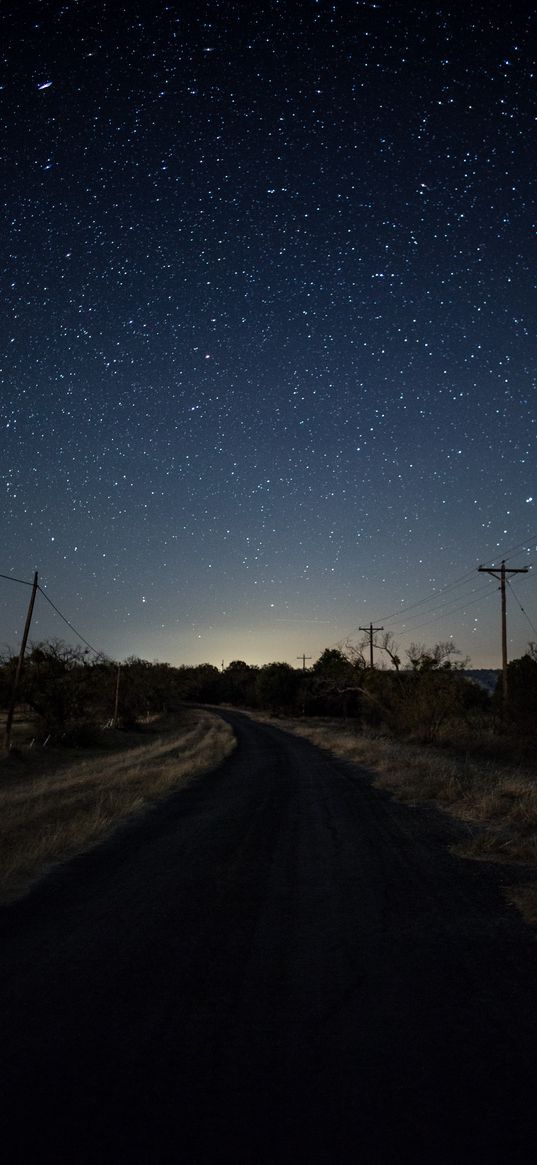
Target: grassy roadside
(501, 800)
(52, 808)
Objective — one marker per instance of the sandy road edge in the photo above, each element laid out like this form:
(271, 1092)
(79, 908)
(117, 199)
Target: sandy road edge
(48, 818)
(500, 804)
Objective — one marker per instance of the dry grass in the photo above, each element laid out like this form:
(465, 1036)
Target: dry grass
(525, 899)
(501, 800)
(50, 812)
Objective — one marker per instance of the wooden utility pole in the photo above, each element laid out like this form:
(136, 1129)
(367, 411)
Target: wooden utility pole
(501, 572)
(371, 630)
(304, 657)
(116, 702)
(15, 688)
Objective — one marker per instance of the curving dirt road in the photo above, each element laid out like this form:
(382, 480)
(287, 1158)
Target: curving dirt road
(279, 963)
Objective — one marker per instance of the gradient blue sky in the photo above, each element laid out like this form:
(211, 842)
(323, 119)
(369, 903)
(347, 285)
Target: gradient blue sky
(268, 340)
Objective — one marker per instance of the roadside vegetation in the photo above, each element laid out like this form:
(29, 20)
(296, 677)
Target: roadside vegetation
(497, 799)
(422, 723)
(58, 802)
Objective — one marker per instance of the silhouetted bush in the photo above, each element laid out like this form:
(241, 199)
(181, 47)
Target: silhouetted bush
(521, 710)
(238, 684)
(277, 686)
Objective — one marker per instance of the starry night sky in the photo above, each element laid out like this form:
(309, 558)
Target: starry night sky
(268, 329)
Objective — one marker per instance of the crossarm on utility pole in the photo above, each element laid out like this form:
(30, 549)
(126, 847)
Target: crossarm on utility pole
(303, 657)
(370, 630)
(501, 573)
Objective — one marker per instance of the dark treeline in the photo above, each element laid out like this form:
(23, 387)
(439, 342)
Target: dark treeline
(430, 698)
(420, 700)
(69, 695)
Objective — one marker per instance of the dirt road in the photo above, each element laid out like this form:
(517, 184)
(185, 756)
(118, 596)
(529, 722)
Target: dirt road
(278, 964)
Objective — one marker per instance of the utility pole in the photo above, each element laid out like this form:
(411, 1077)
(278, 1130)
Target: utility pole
(14, 690)
(304, 657)
(116, 703)
(371, 630)
(501, 572)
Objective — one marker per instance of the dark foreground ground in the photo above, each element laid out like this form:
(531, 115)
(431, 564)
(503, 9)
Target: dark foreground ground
(278, 964)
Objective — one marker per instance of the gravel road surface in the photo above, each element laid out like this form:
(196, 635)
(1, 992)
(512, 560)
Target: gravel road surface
(278, 963)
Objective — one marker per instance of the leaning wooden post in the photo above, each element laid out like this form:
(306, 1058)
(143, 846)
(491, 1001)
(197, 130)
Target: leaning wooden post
(15, 688)
(116, 703)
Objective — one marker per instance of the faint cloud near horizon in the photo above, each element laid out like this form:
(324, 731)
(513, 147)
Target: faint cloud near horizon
(328, 622)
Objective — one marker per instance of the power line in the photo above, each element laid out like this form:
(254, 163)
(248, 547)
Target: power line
(22, 581)
(70, 625)
(446, 614)
(401, 613)
(501, 573)
(432, 595)
(446, 608)
(525, 613)
(456, 582)
(449, 586)
(520, 546)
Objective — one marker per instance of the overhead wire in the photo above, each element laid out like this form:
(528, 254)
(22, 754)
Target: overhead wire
(444, 606)
(25, 583)
(517, 600)
(445, 610)
(432, 595)
(458, 582)
(68, 623)
(520, 546)
(22, 581)
(452, 585)
(398, 615)
(439, 618)
(475, 589)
